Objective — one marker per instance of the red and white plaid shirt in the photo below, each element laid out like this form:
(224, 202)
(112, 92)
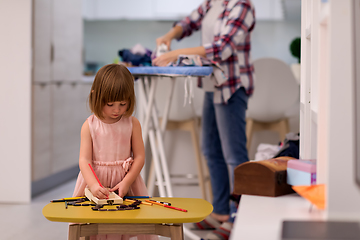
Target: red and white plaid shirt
(231, 45)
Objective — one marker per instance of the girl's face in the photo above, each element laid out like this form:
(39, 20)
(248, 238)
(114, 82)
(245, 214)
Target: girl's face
(112, 111)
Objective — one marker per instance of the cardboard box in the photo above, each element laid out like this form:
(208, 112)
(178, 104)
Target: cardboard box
(301, 172)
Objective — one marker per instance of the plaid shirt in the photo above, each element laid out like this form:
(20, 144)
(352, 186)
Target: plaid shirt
(231, 45)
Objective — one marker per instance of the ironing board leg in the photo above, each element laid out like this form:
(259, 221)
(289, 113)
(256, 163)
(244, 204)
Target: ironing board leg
(156, 141)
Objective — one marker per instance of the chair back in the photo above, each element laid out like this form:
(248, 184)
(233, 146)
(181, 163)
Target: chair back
(275, 90)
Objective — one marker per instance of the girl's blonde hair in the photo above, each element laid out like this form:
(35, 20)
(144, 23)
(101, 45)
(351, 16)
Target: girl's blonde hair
(112, 83)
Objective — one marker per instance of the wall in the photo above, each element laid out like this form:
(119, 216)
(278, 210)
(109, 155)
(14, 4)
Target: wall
(15, 100)
(343, 193)
(103, 40)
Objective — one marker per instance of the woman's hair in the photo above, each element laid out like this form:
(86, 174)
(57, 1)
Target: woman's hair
(112, 83)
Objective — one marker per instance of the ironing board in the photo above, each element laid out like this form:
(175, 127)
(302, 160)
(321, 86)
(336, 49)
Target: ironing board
(153, 219)
(149, 77)
(155, 132)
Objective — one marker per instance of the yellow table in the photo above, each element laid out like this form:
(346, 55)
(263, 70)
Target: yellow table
(153, 219)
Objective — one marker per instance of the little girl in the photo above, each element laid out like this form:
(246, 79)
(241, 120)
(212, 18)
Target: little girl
(111, 140)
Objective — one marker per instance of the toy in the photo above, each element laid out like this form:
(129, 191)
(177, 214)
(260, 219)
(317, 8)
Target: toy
(113, 198)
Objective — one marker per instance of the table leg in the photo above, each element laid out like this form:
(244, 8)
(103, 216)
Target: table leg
(176, 232)
(74, 232)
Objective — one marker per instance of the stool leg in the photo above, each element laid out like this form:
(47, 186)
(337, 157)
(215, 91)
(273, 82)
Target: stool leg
(151, 179)
(157, 164)
(249, 132)
(195, 139)
(207, 180)
(74, 232)
(283, 128)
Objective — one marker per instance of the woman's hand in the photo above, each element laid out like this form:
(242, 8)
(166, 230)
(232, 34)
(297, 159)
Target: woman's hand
(165, 59)
(99, 192)
(175, 32)
(122, 188)
(164, 39)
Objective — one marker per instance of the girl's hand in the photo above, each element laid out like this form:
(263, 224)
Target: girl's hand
(122, 189)
(99, 192)
(165, 59)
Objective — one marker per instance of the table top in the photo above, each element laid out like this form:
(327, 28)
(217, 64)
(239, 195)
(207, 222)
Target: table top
(171, 71)
(197, 210)
(267, 214)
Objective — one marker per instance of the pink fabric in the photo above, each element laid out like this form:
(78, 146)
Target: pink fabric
(303, 165)
(112, 159)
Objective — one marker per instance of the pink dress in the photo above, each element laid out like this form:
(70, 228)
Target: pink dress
(112, 159)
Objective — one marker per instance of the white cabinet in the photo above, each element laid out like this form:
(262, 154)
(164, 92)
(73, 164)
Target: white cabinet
(57, 40)
(59, 98)
(165, 9)
(138, 9)
(42, 43)
(66, 40)
(327, 117)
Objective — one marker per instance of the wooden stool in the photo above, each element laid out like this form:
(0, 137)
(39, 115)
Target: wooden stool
(281, 126)
(192, 126)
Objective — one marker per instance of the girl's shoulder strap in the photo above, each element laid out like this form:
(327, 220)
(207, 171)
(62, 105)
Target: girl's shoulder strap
(128, 120)
(91, 121)
(91, 118)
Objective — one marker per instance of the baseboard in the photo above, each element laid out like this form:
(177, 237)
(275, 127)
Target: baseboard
(47, 183)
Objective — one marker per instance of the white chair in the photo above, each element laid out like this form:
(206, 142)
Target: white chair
(184, 117)
(276, 93)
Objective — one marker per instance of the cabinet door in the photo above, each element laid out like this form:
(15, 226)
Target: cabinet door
(67, 40)
(41, 134)
(41, 91)
(42, 41)
(68, 113)
(165, 9)
(57, 51)
(124, 9)
(138, 9)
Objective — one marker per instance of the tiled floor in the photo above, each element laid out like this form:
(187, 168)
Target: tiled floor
(26, 221)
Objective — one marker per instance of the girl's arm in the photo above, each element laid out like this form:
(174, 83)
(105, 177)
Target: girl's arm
(138, 150)
(85, 158)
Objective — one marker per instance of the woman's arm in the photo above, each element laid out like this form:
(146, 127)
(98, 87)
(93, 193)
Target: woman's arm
(171, 56)
(193, 21)
(186, 26)
(138, 150)
(175, 32)
(239, 23)
(85, 158)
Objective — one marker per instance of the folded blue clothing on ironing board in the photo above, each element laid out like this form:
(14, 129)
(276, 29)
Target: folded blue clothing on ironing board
(172, 71)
